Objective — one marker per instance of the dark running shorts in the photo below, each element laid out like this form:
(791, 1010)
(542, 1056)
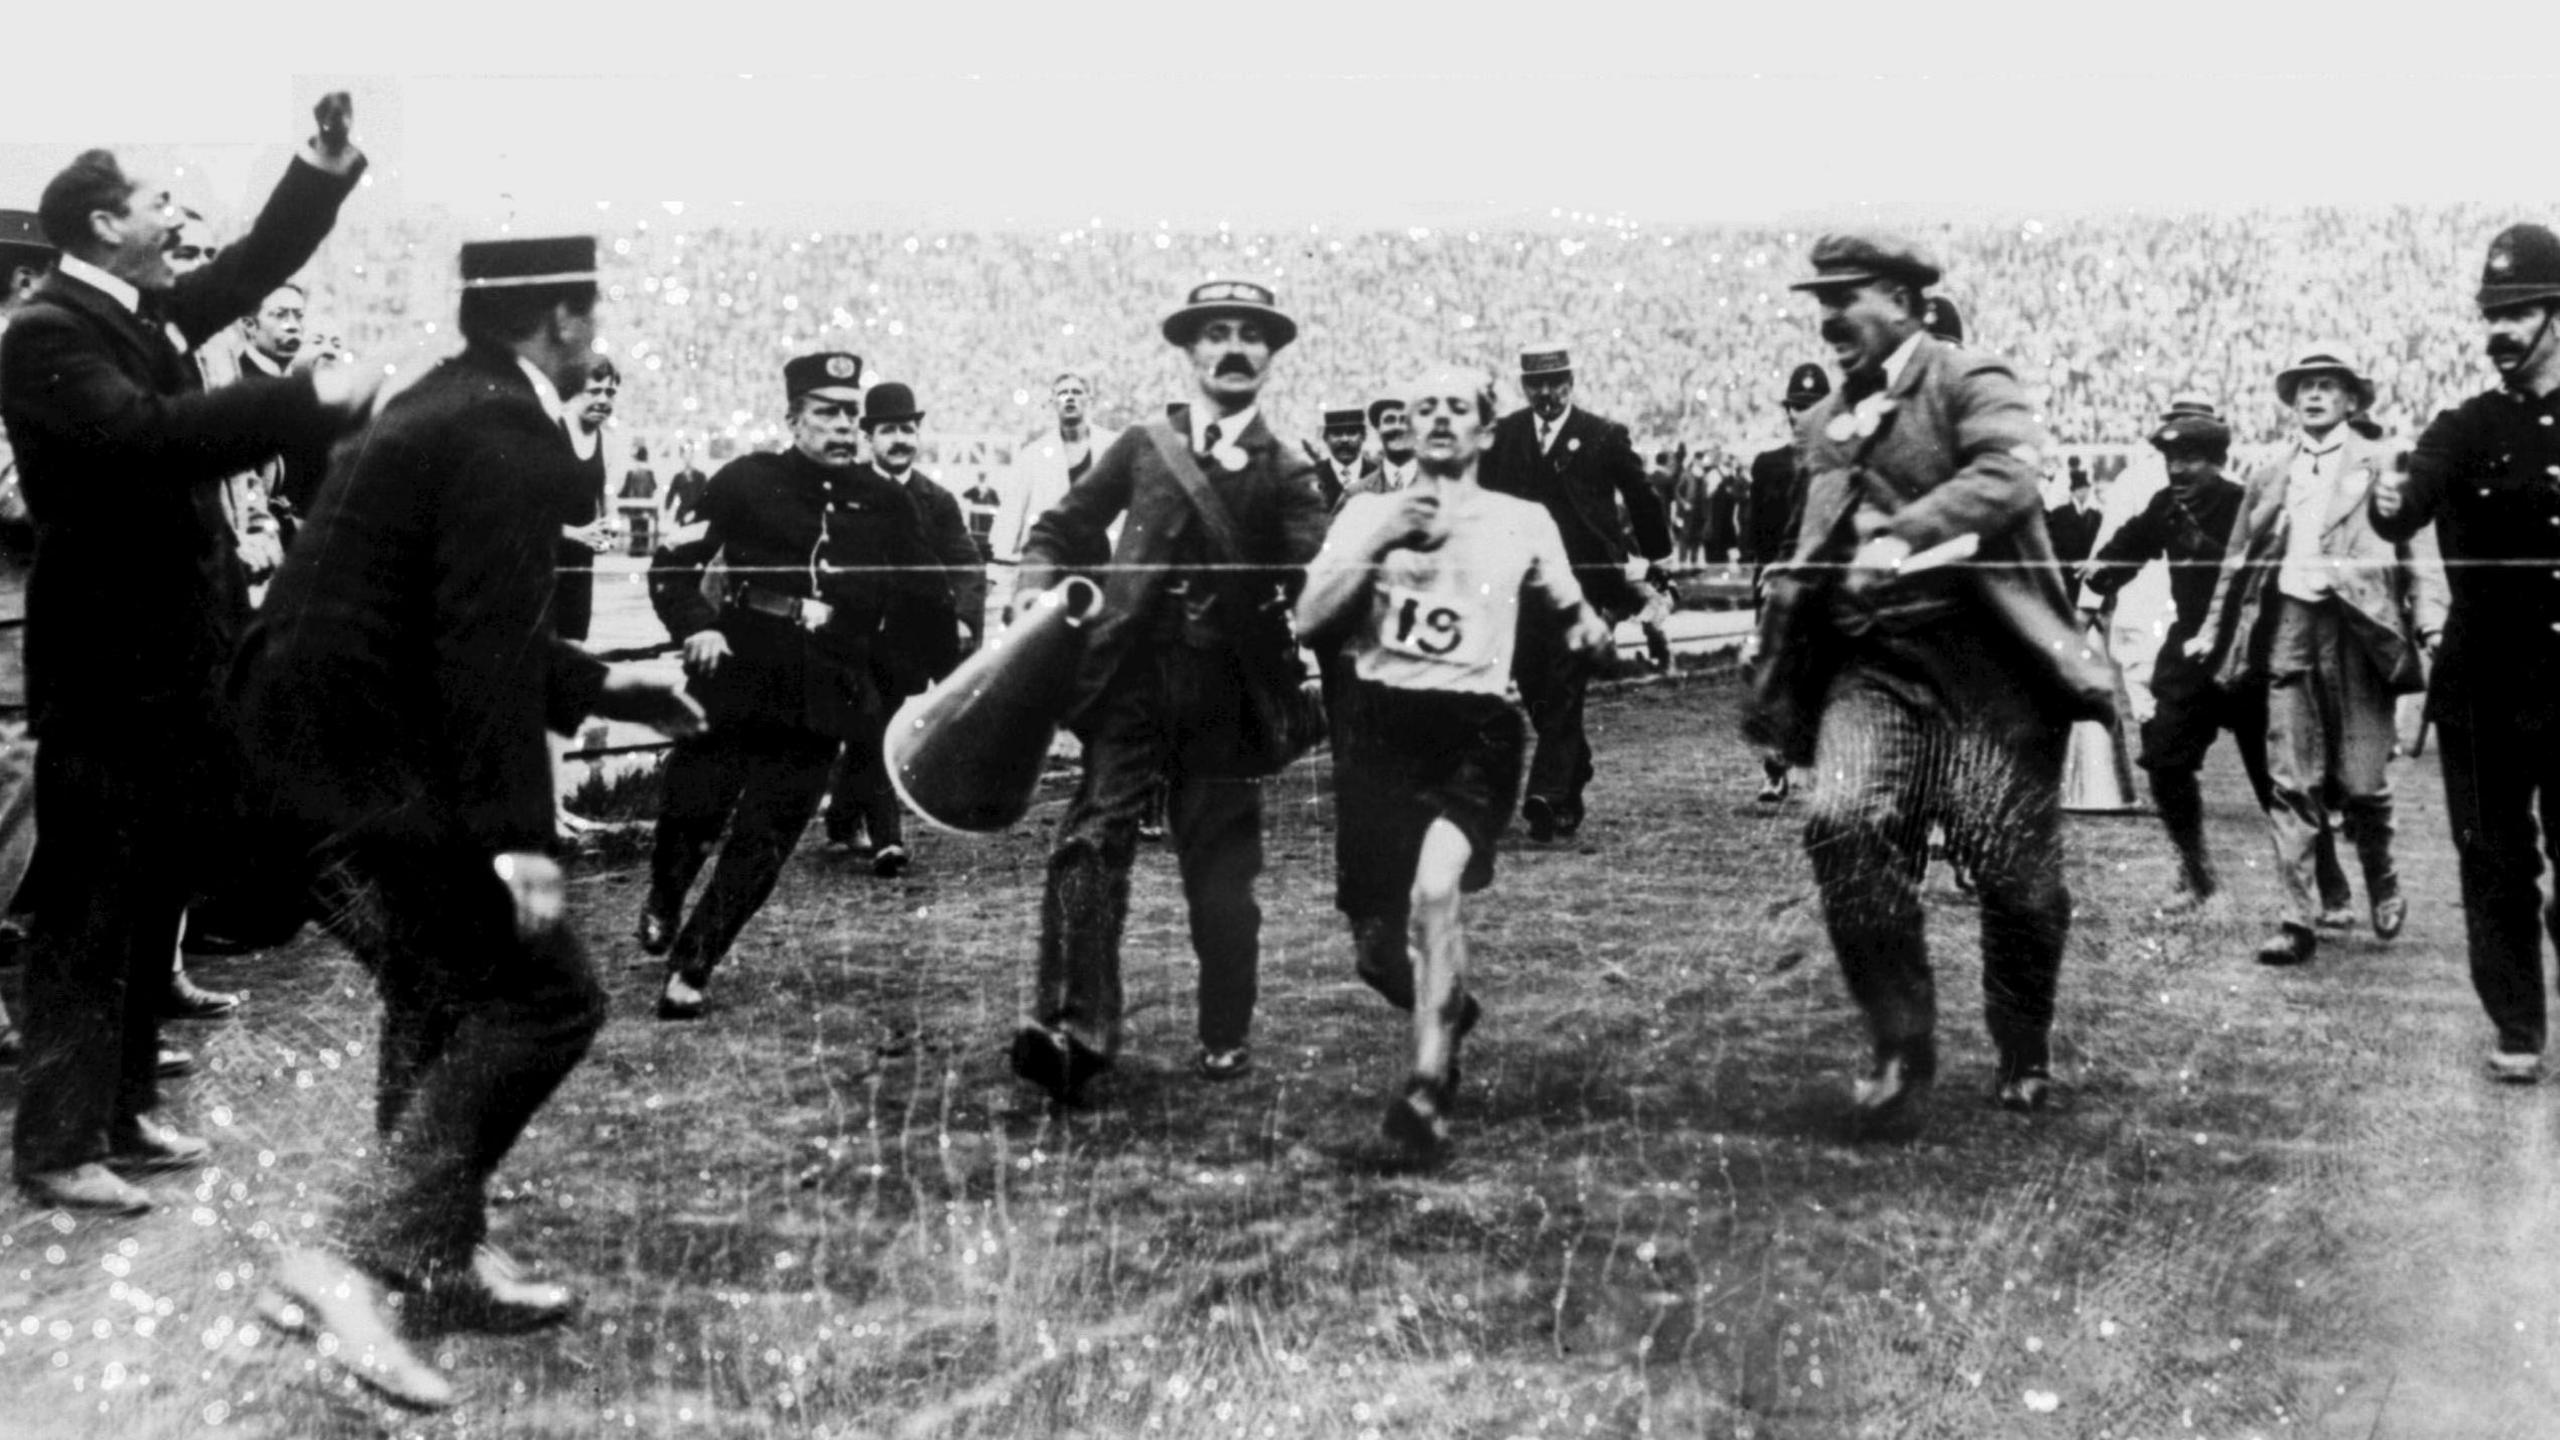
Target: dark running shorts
(1404, 758)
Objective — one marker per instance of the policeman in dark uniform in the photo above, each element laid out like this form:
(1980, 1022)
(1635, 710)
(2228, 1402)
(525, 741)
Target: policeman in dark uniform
(2487, 475)
(831, 602)
(1768, 523)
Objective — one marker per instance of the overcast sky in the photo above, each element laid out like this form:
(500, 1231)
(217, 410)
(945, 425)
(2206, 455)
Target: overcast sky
(1370, 114)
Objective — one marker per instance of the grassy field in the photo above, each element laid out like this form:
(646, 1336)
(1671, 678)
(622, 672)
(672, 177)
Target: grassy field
(2267, 1203)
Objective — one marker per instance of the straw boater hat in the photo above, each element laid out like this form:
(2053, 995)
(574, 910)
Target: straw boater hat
(1230, 297)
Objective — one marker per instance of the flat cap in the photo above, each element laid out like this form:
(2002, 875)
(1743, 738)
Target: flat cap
(2192, 435)
(1854, 259)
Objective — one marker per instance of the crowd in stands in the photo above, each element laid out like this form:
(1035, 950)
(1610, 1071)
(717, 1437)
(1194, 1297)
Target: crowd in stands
(1686, 334)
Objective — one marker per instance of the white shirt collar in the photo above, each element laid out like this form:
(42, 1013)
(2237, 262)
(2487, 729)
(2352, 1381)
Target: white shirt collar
(544, 392)
(121, 291)
(1900, 359)
(2327, 445)
(1548, 429)
(1231, 428)
(251, 357)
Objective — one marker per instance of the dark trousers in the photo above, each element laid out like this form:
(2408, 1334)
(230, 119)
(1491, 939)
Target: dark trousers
(2191, 712)
(759, 783)
(2501, 759)
(1552, 681)
(859, 793)
(1169, 718)
(116, 818)
(1884, 770)
(479, 1026)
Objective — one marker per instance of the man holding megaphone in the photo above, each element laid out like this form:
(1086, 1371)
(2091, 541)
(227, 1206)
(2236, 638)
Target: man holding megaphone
(1188, 671)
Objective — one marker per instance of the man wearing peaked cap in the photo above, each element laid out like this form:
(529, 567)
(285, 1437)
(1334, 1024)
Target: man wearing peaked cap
(393, 694)
(1924, 689)
(830, 608)
(1768, 523)
(1340, 469)
(120, 453)
(1186, 681)
(1583, 468)
(860, 792)
(2330, 616)
(2485, 480)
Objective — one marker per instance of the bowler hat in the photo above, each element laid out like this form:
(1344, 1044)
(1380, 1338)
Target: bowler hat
(1547, 359)
(1242, 298)
(2326, 358)
(1939, 316)
(1345, 417)
(2191, 402)
(2523, 264)
(833, 370)
(1855, 259)
(1806, 387)
(2198, 435)
(889, 400)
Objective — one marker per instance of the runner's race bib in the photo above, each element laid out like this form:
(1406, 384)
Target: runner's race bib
(1444, 628)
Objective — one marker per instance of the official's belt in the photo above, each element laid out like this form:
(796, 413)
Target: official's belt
(807, 613)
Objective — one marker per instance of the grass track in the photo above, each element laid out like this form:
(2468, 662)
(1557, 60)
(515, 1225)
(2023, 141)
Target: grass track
(2269, 1203)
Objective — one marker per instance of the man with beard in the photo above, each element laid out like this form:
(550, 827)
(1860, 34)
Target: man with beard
(1924, 691)
(860, 795)
(829, 579)
(128, 629)
(1185, 675)
(2326, 613)
(1424, 591)
(2482, 475)
(1767, 527)
(1339, 470)
(1583, 468)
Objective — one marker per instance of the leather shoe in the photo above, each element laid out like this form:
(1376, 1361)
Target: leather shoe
(889, 861)
(2389, 914)
(174, 1063)
(93, 1189)
(1233, 1063)
(187, 1000)
(144, 1146)
(2292, 945)
(1538, 813)
(2341, 916)
(1774, 790)
(657, 928)
(681, 1000)
(1055, 1061)
(491, 1295)
(321, 1295)
(1894, 1093)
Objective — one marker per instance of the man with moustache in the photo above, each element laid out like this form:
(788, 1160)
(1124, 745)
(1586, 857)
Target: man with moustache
(1767, 526)
(118, 445)
(2483, 475)
(859, 794)
(1340, 469)
(2327, 614)
(1923, 691)
(1583, 468)
(1395, 468)
(1423, 591)
(1184, 676)
(829, 579)
(393, 694)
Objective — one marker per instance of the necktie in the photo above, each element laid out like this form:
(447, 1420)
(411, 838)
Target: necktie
(1209, 438)
(1546, 436)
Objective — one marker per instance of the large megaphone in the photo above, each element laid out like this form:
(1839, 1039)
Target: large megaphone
(966, 754)
(2097, 775)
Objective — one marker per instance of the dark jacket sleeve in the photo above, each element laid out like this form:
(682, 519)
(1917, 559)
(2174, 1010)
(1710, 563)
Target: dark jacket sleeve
(1625, 472)
(298, 215)
(2136, 543)
(67, 393)
(676, 571)
(948, 536)
(2440, 456)
(1079, 525)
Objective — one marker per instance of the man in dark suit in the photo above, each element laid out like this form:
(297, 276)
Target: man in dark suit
(393, 693)
(1767, 526)
(1924, 690)
(128, 625)
(1341, 470)
(1176, 687)
(684, 488)
(860, 793)
(1582, 468)
(25, 259)
(833, 606)
(2074, 527)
